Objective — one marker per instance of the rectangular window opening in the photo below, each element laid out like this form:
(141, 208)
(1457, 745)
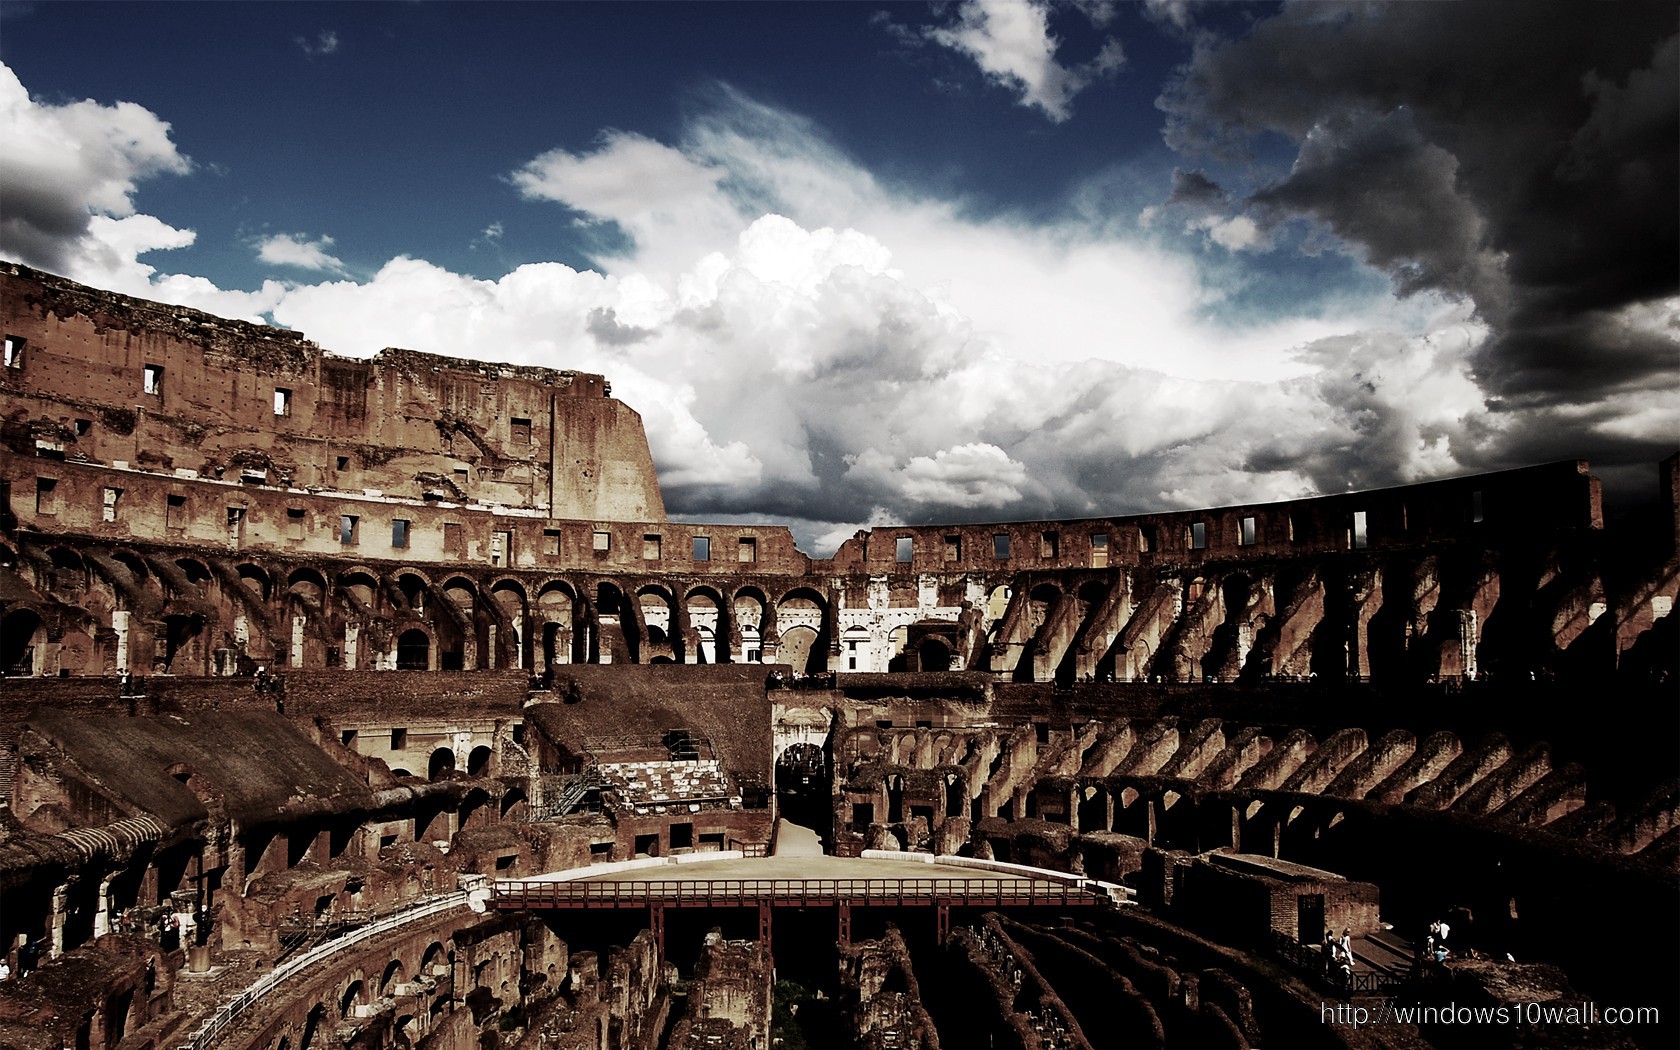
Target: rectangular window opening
(109, 509)
(1476, 505)
(501, 548)
(1198, 535)
(282, 401)
(1050, 545)
(650, 547)
(151, 381)
(1146, 539)
(399, 533)
(1357, 535)
(519, 431)
(748, 549)
(175, 512)
(46, 496)
(347, 529)
(14, 351)
(454, 541)
(294, 523)
(601, 541)
(1000, 546)
(702, 548)
(904, 548)
(1246, 532)
(953, 548)
(342, 462)
(399, 739)
(83, 426)
(1099, 550)
(551, 543)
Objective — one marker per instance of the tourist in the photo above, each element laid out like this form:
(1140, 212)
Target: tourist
(5, 970)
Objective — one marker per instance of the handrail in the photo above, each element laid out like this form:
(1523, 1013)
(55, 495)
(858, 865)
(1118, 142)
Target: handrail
(262, 986)
(510, 893)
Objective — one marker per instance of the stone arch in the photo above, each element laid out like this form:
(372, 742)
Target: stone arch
(804, 608)
(514, 805)
(182, 633)
(308, 585)
(21, 634)
(749, 611)
(362, 587)
(441, 765)
(462, 592)
(616, 636)
(355, 994)
(709, 621)
(478, 761)
(557, 613)
(196, 572)
(662, 620)
(414, 650)
(933, 654)
(512, 599)
(312, 1026)
(475, 809)
(256, 579)
(413, 586)
(394, 975)
(135, 564)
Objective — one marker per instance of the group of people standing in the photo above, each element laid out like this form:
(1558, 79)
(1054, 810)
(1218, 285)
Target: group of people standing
(1338, 956)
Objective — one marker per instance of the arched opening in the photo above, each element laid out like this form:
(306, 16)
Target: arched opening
(135, 565)
(308, 586)
(514, 805)
(414, 651)
(355, 995)
(255, 580)
(478, 761)
(194, 570)
(658, 614)
(933, 655)
(413, 590)
(555, 608)
(361, 590)
(616, 639)
(748, 612)
(18, 642)
(181, 645)
(705, 617)
(393, 976)
(800, 617)
(441, 765)
(509, 597)
(312, 1025)
(804, 793)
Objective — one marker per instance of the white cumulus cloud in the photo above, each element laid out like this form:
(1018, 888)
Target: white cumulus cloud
(1011, 42)
(296, 250)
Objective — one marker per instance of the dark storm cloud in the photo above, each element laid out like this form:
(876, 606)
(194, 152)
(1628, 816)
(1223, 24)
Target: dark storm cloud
(1193, 190)
(1520, 156)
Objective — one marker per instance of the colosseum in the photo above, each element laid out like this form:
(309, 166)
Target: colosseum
(349, 703)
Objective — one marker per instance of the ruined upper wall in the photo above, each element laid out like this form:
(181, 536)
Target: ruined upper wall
(1528, 505)
(106, 378)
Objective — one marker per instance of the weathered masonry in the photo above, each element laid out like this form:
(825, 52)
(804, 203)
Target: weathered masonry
(308, 664)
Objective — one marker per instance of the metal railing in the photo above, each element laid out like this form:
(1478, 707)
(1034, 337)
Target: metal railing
(1311, 963)
(218, 1023)
(512, 894)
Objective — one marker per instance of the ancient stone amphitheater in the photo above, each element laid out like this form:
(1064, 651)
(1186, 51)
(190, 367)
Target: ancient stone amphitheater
(377, 703)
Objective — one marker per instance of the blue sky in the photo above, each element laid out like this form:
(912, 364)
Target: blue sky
(866, 262)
